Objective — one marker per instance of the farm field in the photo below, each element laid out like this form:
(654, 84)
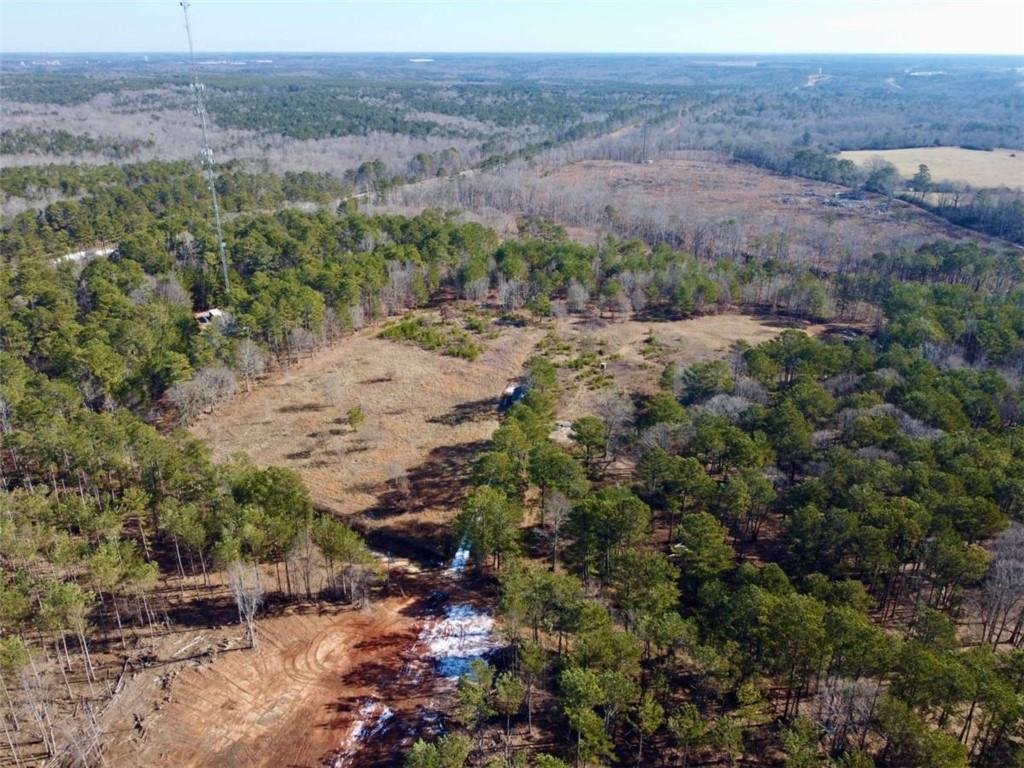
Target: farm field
(999, 168)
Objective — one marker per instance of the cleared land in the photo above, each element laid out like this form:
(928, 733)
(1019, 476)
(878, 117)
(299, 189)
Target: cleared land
(629, 362)
(720, 205)
(999, 168)
(426, 415)
(324, 686)
(292, 701)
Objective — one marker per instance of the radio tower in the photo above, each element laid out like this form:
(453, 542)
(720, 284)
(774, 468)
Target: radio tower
(200, 108)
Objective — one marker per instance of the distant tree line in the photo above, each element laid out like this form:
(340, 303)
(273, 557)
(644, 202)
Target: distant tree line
(61, 142)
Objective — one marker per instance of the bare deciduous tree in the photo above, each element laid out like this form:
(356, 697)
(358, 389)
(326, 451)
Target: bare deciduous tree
(1002, 599)
(512, 293)
(576, 296)
(616, 409)
(36, 697)
(302, 556)
(845, 707)
(354, 580)
(476, 290)
(248, 592)
(300, 342)
(556, 515)
(356, 316)
(170, 290)
(250, 361)
(208, 387)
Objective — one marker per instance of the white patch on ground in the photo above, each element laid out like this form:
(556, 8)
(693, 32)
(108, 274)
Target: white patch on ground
(464, 634)
(445, 647)
(372, 720)
(459, 562)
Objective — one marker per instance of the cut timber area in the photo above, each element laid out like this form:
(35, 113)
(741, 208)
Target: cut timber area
(289, 702)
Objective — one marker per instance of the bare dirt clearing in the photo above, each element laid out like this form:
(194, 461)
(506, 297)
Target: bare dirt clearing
(999, 168)
(325, 685)
(290, 702)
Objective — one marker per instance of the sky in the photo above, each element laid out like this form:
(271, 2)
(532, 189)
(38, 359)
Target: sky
(613, 26)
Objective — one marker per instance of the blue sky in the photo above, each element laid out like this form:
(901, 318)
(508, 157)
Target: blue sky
(684, 26)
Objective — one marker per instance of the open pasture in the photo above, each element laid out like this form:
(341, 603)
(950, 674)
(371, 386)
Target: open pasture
(999, 168)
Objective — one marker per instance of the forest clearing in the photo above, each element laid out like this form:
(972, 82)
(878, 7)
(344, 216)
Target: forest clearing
(743, 207)
(710, 204)
(424, 416)
(427, 415)
(298, 696)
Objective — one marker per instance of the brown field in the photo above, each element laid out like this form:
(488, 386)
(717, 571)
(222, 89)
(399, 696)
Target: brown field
(686, 341)
(426, 415)
(742, 205)
(999, 168)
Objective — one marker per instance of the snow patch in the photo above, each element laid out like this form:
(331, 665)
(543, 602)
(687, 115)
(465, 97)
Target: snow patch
(459, 562)
(372, 720)
(464, 634)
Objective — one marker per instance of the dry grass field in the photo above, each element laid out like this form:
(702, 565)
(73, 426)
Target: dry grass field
(399, 477)
(623, 345)
(425, 417)
(999, 168)
(712, 204)
(427, 414)
(730, 199)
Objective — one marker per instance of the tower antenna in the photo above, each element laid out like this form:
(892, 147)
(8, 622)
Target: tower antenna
(200, 109)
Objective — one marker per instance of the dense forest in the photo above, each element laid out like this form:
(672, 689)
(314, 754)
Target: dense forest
(814, 553)
(877, 630)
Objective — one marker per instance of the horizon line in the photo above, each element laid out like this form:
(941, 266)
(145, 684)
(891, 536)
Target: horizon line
(999, 54)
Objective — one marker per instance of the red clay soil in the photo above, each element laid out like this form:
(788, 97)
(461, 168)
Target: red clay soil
(344, 688)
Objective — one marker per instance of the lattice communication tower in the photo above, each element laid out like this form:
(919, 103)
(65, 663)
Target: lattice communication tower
(198, 89)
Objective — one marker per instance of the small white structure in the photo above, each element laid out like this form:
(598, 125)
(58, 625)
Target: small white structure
(87, 255)
(209, 317)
